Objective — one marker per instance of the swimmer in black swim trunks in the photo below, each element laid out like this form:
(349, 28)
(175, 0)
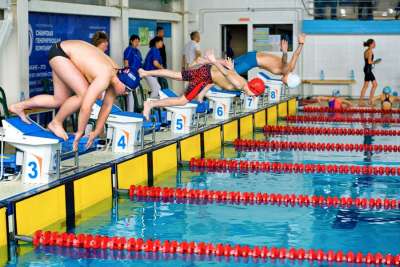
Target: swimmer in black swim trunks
(369, 76)
(81, 72)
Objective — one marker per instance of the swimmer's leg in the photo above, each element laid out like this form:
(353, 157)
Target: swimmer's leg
(362, 95)
(372, 93)
(166, 102)
(66, 78)
(202, 94)
(175, 75)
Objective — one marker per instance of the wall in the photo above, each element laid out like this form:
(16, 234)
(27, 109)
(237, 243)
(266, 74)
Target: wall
(337, 55)
(207, 16)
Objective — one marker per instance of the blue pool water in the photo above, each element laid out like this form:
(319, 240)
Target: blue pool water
(280, 226)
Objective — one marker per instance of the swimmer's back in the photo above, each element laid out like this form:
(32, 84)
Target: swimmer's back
(90, 60)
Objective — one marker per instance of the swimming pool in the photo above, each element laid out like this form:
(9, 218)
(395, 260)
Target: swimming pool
(333, 228)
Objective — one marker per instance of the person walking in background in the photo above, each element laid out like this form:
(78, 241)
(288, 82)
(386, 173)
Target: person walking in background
(133, 60)
(100, 40)
(160, 34)
(369, 76)
(153, 61)
(192, 51)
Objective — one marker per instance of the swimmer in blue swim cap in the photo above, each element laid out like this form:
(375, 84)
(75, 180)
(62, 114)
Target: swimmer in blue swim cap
(386, 98)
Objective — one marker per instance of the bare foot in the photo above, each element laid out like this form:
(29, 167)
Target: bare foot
(58, 130)
(146, 109)
(142, 73)
(18, 110)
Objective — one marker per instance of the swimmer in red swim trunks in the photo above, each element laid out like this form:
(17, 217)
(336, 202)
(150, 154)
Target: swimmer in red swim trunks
(200, 81)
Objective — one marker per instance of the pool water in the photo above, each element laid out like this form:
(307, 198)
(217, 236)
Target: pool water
(300, 227)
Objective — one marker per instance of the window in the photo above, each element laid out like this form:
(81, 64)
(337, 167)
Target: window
(267, 37)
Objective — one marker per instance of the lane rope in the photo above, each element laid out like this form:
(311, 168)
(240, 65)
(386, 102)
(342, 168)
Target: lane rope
(97, 242)
(315, 109)
(320, 118)
(299, 130)
(224, 165)
(247, 144)
(193, 196)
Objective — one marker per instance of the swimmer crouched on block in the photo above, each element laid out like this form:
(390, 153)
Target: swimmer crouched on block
(272, 63)
(81, 72)
(201, 80)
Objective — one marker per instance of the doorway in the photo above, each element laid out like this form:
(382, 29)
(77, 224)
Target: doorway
(234, 40)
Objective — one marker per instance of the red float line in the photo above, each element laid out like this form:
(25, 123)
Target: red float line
(223, 165)
(313, 109)
(296, 130)
(311, 146)
(88, 241)
(169, 194)
(306, 119)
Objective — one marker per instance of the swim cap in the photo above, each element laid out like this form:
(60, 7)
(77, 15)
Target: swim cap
(256, 86)
(129, 77)
(335, 93)
(395, 93)
(293, 80)
(387, 90)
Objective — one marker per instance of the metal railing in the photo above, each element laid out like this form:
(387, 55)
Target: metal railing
(353, 9)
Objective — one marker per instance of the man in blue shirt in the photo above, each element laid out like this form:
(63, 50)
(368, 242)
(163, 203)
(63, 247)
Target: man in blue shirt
(132, 56)
(153, 61)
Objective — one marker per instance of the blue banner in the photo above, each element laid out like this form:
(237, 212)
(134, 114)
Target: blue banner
(351, 26)
(45, 29)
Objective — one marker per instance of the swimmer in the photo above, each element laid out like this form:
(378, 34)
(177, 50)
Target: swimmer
(201, 80)
(81, 72)
(335, 102)
(272, 63)
(386, 98)
(369, 76)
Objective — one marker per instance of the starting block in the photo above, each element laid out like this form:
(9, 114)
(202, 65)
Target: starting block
(223, 100)
(41, 149)
(182, 116)
(124, 128)
(273, 87)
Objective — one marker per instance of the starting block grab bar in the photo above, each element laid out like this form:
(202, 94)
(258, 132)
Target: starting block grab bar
(39, 150)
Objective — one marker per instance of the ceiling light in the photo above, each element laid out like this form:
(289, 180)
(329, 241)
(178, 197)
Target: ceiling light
(384, 14)
(343, 12)
(391, 11)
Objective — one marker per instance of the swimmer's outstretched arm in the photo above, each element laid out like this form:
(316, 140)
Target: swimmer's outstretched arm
(347, 103)
(293, 61)
(97, 86)
(228, 73)
(322, 99)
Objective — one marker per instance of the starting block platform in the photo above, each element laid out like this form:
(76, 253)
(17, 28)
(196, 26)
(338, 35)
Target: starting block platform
(40, 148)
(124, 128)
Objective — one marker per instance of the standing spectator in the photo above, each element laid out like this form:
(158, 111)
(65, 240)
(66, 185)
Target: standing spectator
(154, 61)
(132, 60)
(160, 34)
(132, 56)
(100, 40)
(192, 50)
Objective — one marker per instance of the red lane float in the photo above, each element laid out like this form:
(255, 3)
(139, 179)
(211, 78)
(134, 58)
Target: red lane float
(243, 144)
(95, 242)
(296, 130)
(315, 109)
(320, 118)
(224, 165)
(257, 198)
